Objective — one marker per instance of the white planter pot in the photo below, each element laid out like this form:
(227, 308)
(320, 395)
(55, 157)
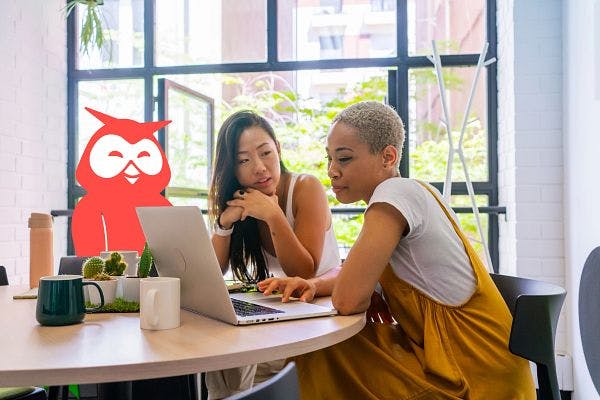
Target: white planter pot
(120, 285)
(109, 289)
(131, 288)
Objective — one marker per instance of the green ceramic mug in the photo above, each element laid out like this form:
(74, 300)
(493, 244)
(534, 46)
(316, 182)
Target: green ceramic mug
(60, 300)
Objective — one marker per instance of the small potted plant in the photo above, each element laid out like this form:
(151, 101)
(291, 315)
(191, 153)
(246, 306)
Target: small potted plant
(115, 266)
(92, 33)
(93, 269)
(131, 284)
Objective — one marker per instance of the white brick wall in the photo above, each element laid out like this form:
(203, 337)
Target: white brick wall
(530, 142)
(33, 146)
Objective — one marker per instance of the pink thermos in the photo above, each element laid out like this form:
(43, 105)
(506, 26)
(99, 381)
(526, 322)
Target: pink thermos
(41, 259)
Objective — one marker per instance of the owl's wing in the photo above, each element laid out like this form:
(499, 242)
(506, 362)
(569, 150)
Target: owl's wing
(87, 229)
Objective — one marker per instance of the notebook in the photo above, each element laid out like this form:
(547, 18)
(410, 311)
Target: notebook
(181, 246)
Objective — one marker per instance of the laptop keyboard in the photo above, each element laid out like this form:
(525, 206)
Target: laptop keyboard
(245, 309)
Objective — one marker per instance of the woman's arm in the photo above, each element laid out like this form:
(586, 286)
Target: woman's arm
(379, 236)
(221, 246)
(304, 289)
(299, 250)
(221, 243)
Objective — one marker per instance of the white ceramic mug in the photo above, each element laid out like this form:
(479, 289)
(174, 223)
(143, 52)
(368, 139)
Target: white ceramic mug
(129, 256)
(159, 303)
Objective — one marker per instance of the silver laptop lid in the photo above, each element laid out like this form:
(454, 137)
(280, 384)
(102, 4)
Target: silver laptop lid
(181, 246)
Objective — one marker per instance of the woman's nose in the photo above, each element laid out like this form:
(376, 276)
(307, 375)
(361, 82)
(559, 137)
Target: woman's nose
(259, 166)
(332, 172)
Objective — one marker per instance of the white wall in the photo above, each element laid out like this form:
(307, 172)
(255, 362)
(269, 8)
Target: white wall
(530, 142)
(33, 139)
(582, 163)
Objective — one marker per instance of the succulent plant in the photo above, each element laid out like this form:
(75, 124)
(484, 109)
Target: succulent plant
(102, 277)
(92, 267)
(145, 262)
(114, 266)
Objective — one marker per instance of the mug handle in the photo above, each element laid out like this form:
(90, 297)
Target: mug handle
(101, 297)
(151, 299)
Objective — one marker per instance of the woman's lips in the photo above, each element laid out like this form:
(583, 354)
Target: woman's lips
(263, 183)
(337, 189)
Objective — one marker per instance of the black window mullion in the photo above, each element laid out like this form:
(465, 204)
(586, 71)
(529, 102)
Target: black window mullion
(272, 56)
(149, 15)
(402, 62)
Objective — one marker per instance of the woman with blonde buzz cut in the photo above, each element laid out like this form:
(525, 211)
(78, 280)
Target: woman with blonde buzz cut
(451, 336)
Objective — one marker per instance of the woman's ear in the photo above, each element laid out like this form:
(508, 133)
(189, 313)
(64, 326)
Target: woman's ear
(278, 148)
(390, 156)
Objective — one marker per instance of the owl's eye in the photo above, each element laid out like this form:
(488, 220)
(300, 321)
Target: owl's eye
(143, 154)
(115, 153)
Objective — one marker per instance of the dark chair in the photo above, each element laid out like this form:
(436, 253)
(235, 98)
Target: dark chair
(3, 277)
(22, 393)
(535, 307)
(589, 306)
(71, 265)
(283, 386)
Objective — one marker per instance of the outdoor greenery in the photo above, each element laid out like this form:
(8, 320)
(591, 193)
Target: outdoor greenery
(302, 124)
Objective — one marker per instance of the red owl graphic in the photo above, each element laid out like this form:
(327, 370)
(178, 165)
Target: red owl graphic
(121, 168)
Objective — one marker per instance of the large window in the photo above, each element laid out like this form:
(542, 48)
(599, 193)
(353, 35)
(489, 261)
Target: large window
(298, 62)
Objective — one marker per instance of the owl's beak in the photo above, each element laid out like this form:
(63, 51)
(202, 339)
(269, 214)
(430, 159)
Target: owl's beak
(132, 174)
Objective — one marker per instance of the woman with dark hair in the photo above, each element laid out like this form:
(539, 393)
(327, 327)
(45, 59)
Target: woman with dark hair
(267, 220)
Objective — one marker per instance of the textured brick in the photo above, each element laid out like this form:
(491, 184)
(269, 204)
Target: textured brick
(32, 39)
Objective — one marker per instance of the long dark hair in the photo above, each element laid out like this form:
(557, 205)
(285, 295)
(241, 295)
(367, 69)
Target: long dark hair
(245, 256)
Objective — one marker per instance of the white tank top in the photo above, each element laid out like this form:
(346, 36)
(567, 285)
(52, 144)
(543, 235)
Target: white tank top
(330, 257)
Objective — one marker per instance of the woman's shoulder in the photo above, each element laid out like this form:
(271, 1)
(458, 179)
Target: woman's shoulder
(307, 182)
(398, 184)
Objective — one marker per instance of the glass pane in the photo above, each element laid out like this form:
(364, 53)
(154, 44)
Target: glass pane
(457, 26)
(187, 143)
(123, 22)
(118, 98)
(467, 220)
(461, 200)
(469, 227)
(210, 32)
(300, 105)
(428, 145)
(329, 29)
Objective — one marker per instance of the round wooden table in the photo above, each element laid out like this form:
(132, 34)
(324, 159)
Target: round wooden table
(112, 347)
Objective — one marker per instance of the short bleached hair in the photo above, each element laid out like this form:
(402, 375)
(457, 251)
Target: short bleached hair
(377, 125)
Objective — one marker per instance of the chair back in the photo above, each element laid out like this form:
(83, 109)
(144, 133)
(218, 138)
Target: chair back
(283, 386)
(535, 307)
(3, 277)
(589, 322)
(71, 265)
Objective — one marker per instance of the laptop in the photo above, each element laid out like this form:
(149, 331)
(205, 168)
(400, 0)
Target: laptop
(181, 246)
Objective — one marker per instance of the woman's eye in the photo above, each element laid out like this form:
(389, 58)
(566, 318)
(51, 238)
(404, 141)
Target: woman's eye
(244, 161)
(266, 153)
(344, 159)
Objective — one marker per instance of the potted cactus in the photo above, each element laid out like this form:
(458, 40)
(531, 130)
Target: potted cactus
(115, 266)
(131, 284)
(93, 269)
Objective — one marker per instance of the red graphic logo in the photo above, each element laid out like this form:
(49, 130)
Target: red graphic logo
(121, 168)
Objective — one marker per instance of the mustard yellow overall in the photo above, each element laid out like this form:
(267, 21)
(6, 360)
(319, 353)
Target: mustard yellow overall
(435, 351)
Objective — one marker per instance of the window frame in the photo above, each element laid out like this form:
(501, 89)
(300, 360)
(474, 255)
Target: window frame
(402, 63)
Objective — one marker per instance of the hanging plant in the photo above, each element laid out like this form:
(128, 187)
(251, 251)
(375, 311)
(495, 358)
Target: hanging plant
(92, 32)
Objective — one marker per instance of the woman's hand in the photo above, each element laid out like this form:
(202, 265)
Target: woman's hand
(231, 215)
(255, 203)
(304, 289)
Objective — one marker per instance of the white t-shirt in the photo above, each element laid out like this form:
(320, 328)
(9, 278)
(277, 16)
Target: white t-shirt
(431, 257)
(330, 257)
